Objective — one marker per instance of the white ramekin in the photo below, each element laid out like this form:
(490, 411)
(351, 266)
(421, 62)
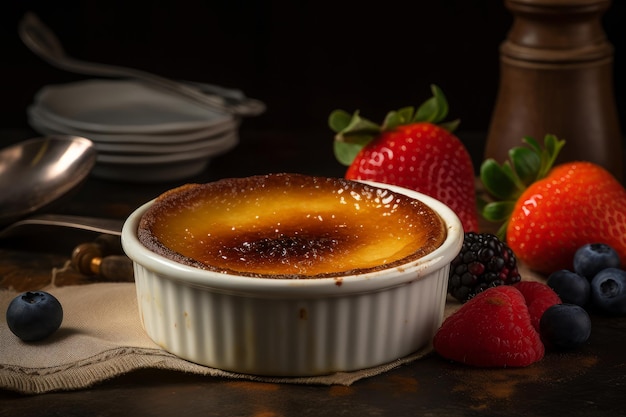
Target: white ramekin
(285, 327)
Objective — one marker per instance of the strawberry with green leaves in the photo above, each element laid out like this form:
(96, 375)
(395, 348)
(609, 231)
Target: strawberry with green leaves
(411, 149)
(548, 212)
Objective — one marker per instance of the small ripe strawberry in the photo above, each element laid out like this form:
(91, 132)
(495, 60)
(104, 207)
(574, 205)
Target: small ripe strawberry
(492, 329)
(410, 150)
(539, 297)
(549, 213)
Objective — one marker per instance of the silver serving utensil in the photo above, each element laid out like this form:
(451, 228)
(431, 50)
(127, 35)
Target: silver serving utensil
(38, 172)
(43, 42)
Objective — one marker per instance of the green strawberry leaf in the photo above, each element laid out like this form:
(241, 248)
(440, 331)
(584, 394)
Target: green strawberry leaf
(443, 103)
(353, 133)
(552, 144)
(498, 211)
(501, 233)
(451, 125)
(534, 145)
(345, 152)
(553, 147)
(526, 164)
(427, 112)
(398, 118)
(354, 129)
(339, 120)
(433, 110)
(498, 179)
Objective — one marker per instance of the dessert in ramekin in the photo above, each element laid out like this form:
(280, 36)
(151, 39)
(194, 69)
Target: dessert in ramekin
(291, 275)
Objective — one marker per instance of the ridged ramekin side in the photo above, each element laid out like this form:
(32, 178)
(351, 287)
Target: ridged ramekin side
(288, 336)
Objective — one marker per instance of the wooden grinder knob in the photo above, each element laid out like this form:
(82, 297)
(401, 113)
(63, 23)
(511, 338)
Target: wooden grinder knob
(103, 257)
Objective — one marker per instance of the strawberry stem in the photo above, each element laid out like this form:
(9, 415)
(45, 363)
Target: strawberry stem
(552, 148)
(354, 132)
(507, 181)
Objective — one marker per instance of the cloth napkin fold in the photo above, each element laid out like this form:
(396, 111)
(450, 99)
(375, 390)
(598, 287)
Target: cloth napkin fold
(102, 337)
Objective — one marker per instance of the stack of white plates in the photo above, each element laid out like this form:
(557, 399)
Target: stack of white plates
(142, 134)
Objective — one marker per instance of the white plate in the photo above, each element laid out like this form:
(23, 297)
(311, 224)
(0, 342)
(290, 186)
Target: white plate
(40, 120)
(157, 168)
(229, 142)
(216, 143)
(210, 142)
(122, 106)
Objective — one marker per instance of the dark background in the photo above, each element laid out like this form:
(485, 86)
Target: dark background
(302, 58)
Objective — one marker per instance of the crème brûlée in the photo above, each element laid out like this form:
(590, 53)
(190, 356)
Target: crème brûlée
(290, 226)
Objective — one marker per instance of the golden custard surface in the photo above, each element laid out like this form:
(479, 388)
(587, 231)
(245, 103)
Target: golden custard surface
(289, 225)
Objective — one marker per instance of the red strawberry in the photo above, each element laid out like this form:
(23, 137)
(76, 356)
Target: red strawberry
(410, 150)
(538, 298)
(549, 213)
(492, 329)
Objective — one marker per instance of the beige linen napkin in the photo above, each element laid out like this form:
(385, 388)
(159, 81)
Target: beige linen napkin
(101, 337)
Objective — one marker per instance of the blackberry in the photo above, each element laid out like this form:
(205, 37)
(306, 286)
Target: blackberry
(483, 262)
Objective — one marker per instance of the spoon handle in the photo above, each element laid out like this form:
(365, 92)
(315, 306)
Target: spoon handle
(92, 224)
(43, 42)
(105, 70)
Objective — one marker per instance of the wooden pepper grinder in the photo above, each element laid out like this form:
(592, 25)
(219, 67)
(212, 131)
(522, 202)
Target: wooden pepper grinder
(104, 258)
(556, 76)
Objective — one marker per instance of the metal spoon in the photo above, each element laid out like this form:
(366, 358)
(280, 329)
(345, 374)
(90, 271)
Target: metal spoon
(43, 42)
(38, 172)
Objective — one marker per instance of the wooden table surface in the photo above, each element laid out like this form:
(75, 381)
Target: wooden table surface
(590, 381)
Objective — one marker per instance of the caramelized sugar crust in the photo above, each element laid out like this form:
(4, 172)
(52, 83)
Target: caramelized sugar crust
(289, 226)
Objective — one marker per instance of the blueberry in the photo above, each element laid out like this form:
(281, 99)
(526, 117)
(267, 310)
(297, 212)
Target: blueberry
(570, 287)
(608, 291)
(34, 315)
(592, 258)
(565, 326)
